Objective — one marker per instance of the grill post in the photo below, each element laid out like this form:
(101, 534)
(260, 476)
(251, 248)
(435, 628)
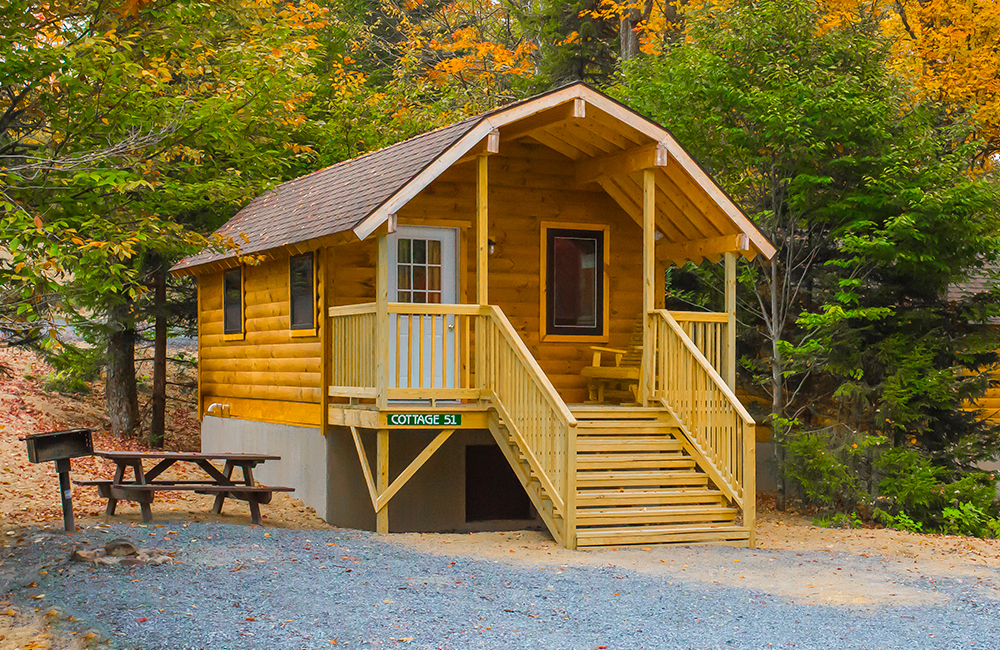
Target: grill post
(65, 494)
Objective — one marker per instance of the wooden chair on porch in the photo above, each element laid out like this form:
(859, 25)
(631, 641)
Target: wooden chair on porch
(620, 382)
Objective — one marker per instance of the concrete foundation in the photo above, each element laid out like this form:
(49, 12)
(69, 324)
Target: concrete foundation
(303, 452)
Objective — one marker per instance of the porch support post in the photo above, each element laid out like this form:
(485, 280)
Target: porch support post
(648, 279)
(323, 257)
(730, 356)
(382, 479)
(482, 264)
(382, 323)
(482, 232)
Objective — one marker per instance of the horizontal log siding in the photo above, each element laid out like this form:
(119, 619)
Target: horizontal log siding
(528, 184)
(269, 376)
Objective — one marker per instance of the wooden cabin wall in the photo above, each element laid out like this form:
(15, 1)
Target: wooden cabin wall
(529, 184)
(269, 376)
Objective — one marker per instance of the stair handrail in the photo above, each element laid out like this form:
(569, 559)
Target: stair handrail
(537, 374)
(549, 446)
(731, 459)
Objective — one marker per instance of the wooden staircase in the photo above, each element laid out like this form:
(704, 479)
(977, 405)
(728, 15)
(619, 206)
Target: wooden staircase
(672, 472)
(636, 484)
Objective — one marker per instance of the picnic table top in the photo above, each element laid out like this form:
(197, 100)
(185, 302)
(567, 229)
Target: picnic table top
(183, 455)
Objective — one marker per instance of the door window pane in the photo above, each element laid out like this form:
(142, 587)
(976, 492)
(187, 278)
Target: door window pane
(418, 271)
(574, 282)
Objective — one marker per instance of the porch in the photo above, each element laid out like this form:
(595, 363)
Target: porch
(676, 466)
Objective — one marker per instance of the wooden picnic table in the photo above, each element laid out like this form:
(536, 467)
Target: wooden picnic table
(144, 483)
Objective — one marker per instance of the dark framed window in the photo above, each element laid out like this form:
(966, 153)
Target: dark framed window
(302, 292)
(574, 282)
(232, 301)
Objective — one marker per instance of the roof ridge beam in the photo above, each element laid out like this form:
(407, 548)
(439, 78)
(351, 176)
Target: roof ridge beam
(629, 161)
(574, 109)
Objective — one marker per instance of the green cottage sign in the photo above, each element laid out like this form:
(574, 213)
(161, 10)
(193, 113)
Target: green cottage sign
(425, 420)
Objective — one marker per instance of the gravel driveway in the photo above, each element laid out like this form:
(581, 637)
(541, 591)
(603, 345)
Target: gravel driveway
(239, 586)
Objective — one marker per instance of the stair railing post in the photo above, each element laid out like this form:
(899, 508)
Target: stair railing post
(750, 481)
(569, 498)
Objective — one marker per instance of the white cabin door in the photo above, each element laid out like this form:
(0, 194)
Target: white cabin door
(422, 271)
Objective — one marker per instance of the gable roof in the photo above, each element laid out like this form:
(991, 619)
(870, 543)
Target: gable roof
(360, 194)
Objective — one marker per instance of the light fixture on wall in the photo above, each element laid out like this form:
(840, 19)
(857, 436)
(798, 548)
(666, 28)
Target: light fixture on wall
(492, 246)
(658, 235)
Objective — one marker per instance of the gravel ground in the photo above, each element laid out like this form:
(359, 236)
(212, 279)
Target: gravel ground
(236, 586)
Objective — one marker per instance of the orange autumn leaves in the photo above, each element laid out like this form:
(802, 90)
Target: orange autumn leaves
(477, 45)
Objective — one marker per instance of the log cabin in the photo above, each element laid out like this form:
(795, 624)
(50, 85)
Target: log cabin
(465, 331)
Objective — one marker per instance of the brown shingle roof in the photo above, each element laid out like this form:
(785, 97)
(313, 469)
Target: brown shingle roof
(333, 199)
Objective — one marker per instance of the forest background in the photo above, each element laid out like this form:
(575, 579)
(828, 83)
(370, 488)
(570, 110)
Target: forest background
(862, 137)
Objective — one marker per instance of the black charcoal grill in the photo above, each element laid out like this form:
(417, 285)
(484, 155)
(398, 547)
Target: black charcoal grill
(60, 447)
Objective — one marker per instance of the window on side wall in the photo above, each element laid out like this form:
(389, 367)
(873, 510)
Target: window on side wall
(575, 296)
(302, 292)
(232, 297)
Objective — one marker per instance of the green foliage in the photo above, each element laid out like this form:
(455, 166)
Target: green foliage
(966, 519)
(831, 466)
(839, 520)
(821, 475)
(930, 495)
(899, 521)
(65, 382)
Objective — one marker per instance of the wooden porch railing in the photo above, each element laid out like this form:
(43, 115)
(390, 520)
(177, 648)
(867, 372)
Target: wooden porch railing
(710, 415)
(353, 350)
(535, 414)
(429, 355)
(707, 330)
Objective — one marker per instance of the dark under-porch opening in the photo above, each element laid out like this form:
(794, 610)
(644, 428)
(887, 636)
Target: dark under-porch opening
(492, 490)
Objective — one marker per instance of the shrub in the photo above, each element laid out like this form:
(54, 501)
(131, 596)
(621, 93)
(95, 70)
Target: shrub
(830, 465)
(900, 521)
(839, 520)
(65, 382)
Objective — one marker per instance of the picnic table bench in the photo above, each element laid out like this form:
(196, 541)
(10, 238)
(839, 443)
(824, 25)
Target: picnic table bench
(144, 484)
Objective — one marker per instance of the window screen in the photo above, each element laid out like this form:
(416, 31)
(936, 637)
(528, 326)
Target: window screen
(575, 282)
(301, 290)
(233, 301)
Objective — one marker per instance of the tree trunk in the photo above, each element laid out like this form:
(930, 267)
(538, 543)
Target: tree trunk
(777, 387)
(627, 36)
(122, 401)
(157, 424)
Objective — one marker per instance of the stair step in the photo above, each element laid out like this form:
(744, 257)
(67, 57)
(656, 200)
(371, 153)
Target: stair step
(596, 412)
(650, 478)
(634, 461)
(639, 497)
(628, 443)
(631, 428)
(662, 535)
(694, 514)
